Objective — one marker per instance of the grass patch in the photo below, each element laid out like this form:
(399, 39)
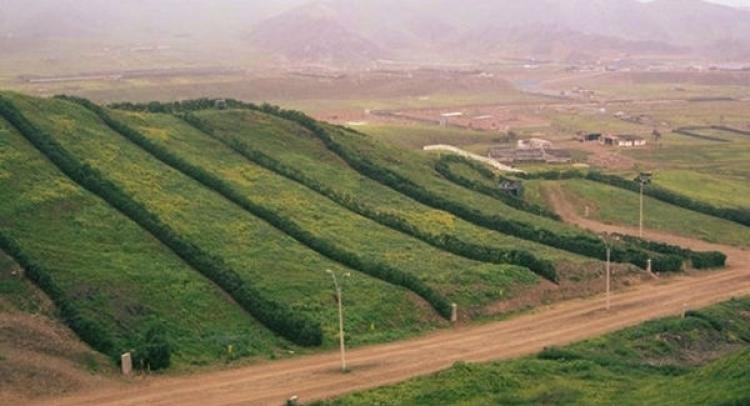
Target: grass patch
(669, 361)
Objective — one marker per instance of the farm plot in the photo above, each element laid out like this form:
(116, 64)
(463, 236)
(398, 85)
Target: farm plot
(263, 256)
(113, 272)
(464, 281)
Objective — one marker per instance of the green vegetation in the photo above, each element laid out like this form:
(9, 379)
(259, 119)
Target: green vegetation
(613, 205)
(249, 206)
(273, 314)
(578, 243)
(740, 216)
(445, 242)
(281, 222)
(703, 359)
(487, 185)
(113, 276)
(261, 255)
(722, 191)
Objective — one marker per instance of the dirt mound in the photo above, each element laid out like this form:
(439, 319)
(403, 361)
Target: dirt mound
(39, 356)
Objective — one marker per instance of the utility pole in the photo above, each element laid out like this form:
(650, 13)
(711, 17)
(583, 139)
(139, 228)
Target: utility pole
(341, 319)
(608, 240)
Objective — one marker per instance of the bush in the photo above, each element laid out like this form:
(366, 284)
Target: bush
(557, 354)
(154, 352)
(699, 260)
(276, 316)
(327, 249)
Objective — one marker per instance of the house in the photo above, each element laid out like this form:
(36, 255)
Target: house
(622, 141)
(534, 143)
(591, 137)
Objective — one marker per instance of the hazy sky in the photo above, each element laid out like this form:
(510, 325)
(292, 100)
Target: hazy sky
(737, 3)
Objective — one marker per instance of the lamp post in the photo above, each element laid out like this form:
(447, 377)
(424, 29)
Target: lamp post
(341, 318)
(607, 240)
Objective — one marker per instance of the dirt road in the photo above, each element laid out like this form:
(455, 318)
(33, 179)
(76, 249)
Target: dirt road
(317, 377)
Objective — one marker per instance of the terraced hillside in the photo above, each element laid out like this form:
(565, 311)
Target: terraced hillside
(211, 230)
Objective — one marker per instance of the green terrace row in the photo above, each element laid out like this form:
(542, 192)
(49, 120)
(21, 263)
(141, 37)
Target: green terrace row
(556, 235)
(109, 279)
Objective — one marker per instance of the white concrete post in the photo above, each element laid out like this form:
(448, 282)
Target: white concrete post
(649, 266)
(454, 312)
(126, 361)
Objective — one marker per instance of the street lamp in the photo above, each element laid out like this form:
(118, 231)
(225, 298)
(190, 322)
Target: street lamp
(607, 240)
(643, 179)
(341, 317)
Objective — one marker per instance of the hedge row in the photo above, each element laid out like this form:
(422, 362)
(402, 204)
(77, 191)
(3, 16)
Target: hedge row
(740, 216)
(276, 316)
(90, 331)
(690, 132)
(581, 244)
(699, 260)
(350, 259)
(443, 167)
(442, 241)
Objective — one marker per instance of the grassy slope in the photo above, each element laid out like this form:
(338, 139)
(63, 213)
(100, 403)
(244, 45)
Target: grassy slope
(667, 362)
(269, 259)
(298, 149)
(727, 191)
(467, 282)
(120, 276)
(420, 169)
(618, 206)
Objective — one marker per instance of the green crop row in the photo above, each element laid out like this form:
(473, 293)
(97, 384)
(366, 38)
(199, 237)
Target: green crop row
(326, 248)
(445, 242)
(276, 316)
(581, 244)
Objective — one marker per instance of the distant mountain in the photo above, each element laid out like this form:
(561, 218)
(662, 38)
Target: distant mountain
(576, 29)
(313, 33)
(348, 32)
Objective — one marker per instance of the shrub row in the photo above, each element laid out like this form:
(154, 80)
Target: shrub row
(276, 316)
(580, 244)
(442, 241)
(690, 132)
(90, 331)
(740, 216)
(443, 167)
(336, 253)
(699, 260)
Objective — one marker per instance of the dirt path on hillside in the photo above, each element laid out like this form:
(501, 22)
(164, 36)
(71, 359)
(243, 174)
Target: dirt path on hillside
(556, 197)
(316, 377)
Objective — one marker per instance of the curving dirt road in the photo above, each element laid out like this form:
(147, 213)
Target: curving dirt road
(317, 377)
